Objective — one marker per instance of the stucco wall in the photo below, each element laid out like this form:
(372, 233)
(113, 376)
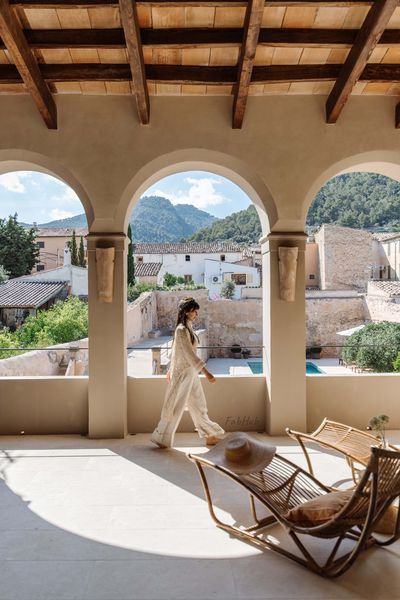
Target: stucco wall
(353, 399)
(236, 403)
(40, 405)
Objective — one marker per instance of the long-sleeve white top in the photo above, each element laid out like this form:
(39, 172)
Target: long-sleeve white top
(183, 353)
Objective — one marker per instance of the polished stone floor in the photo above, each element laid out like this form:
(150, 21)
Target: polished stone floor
(120, 519)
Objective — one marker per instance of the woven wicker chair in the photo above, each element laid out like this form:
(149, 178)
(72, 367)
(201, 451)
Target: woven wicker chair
(282, 486)
(353, 443)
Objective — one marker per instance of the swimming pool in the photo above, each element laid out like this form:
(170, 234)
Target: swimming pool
(257, 368)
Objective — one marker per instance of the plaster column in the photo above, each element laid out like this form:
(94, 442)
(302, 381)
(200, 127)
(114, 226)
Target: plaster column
(107, 343)
(284, 335)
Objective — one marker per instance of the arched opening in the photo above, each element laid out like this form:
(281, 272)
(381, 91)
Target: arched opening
(227, 332)
(44, 292)
(352, 281)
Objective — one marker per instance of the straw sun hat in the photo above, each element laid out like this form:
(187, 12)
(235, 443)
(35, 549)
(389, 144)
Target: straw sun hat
(241, 453)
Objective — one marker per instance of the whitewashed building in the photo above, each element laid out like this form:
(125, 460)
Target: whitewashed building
(76, 278)
(216, 272)
(186, 259)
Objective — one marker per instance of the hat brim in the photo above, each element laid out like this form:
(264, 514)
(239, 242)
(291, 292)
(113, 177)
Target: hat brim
(261, 454)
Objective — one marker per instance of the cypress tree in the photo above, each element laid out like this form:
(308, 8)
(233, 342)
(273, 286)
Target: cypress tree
(74, 250)
(81, 254)
(131, 262)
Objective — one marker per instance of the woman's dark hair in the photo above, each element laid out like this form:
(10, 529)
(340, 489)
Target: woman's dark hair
(185, 306)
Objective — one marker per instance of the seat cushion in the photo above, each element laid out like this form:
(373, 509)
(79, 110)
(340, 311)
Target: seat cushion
(387, 522)
(319, 510)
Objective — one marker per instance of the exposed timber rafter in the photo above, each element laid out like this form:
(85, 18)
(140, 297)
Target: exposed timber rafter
(130, 24)
(178, 74)
(252, 26)
(397, 116)
(373, 27)
(105, 3)
(20, 53)
(194, 37)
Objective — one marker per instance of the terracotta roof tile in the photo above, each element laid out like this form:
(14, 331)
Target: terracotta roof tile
(15, 293)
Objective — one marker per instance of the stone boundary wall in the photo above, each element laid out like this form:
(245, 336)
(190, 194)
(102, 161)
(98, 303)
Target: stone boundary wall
(44, 362)
(326, 316)
(379, 308)
(227, 321)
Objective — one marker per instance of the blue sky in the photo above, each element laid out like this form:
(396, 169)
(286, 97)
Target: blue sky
(41, 198)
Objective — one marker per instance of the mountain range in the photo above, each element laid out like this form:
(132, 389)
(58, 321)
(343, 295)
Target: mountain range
(154, 219)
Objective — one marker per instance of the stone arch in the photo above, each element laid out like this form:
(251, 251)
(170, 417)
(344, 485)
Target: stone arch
(25, 160)
(379, 161)
(199, 159)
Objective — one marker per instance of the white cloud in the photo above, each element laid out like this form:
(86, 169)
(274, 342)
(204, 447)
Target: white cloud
(57, 214)
(201, 193)
(68, 196)
(12, 182)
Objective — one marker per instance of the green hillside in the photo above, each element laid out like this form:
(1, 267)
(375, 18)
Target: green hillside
(360, 200)
(242, 227)
(154, 219)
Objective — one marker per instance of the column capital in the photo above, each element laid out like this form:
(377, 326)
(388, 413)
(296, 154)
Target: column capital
(117, 240)
(274, 239)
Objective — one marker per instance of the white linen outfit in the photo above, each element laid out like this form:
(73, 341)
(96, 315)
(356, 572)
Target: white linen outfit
(184, 390)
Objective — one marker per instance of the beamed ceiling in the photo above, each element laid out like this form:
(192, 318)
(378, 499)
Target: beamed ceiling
(202, 47)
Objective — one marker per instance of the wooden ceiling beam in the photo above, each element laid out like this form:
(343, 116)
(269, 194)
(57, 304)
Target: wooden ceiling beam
(194, 37)
(397, 116)
(130, 24)
(177, 74)
(201, 3)
(252, 26)
(21, 55)
(367, 38)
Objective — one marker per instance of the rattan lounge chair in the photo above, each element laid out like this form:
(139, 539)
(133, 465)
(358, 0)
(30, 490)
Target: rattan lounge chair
(353, 443)
(282, 486)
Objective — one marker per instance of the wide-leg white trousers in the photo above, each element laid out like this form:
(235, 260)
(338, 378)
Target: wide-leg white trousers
(183, 391)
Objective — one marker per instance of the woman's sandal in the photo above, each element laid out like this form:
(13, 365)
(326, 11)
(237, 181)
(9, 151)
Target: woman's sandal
(212, 440)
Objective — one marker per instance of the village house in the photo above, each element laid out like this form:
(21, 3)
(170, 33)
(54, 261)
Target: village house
(51, 244)
(184, 259)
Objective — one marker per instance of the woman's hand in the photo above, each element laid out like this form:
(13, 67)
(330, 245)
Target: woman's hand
(210, 377)
(168, 376)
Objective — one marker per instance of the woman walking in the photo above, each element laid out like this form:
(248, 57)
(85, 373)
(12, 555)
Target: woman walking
(184, 387)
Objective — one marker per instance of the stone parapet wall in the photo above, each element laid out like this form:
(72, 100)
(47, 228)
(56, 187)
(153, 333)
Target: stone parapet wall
(326, 316)
(141, 317)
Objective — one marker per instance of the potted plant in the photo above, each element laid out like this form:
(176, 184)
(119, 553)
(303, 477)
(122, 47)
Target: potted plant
(245, 353)
(315, 351)
(236, 350)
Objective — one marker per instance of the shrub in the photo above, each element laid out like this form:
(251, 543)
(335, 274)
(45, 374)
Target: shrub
(396, 364)
(228, 290)
(374, 347)
(170, 280)
(65, 322)
(8, 340)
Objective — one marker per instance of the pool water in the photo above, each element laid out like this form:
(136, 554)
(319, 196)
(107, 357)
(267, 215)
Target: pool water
(257, 368)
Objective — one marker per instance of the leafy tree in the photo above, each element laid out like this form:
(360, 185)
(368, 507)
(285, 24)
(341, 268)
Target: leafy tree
(228, 290)
(170, 280)
(66, 321)
(8, 340)
(396, 364)
(19, 251)
(131, 262)
(374, 347)
(3, 274)
(74, 250)
(81, 254)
